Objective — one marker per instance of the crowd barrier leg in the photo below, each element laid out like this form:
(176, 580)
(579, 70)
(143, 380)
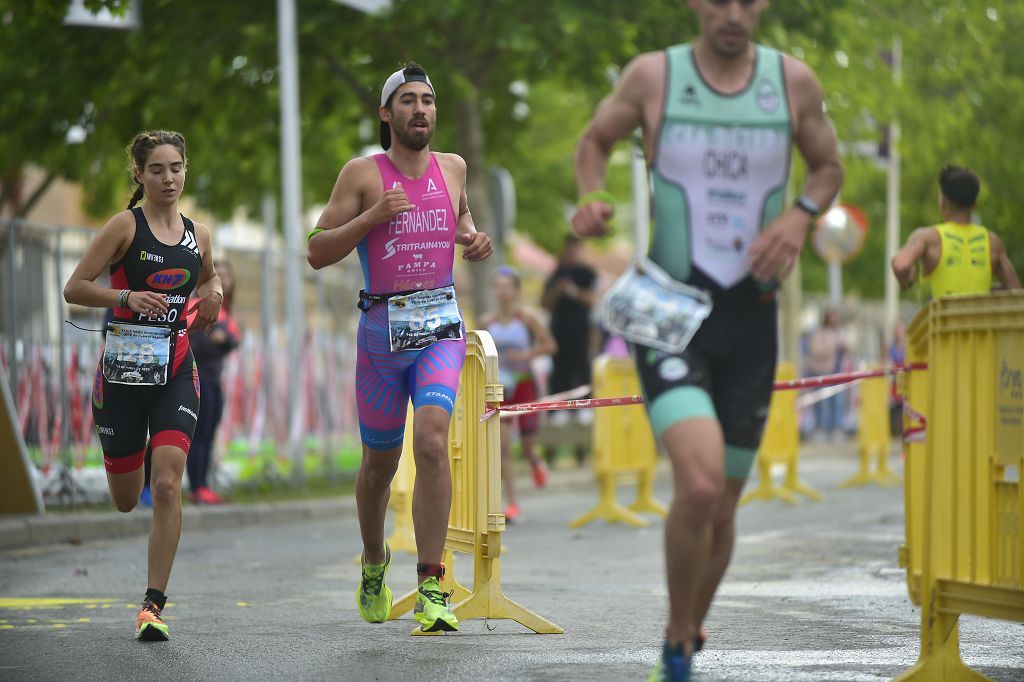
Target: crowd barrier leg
(873, 438)
(608, 507)
(767, 489)
(793, 482)
(645, 502)
(781, 445)
(624, 448)
(476, 523)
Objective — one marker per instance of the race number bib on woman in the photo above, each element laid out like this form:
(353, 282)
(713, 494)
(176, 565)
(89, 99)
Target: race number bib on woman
(648, 307)
(417, 320)
(136, 354)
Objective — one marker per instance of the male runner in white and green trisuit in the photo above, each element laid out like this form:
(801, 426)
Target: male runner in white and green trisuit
(719, 117)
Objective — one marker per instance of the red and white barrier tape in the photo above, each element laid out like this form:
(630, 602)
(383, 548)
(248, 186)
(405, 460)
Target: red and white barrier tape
(816, 396)
(519, 408)
(571, 394)
(844, 377)
(789, 385)
(915, 432)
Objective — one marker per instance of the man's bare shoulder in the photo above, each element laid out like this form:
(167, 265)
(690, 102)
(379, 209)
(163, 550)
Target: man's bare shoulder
(451, 162)
(358, 175)
(360, 166)
(928, 234)
(805, 94)
(645, 71)
(797, 71)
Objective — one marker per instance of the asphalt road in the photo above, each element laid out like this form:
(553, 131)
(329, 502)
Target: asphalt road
(814, 593)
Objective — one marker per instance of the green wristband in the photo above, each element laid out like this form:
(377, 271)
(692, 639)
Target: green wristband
(314, 232)
(597, 195)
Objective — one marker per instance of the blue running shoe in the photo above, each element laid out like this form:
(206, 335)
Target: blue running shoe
(146, 498)
(674, 666)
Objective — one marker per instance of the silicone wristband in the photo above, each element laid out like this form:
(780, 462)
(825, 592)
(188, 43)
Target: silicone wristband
(314, 232)
(597, 195)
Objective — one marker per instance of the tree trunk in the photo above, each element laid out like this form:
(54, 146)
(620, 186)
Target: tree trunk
(471, 145)
(30, 203)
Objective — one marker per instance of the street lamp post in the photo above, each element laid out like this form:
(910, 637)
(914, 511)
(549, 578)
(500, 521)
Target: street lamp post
(291, 219)
(892, 202)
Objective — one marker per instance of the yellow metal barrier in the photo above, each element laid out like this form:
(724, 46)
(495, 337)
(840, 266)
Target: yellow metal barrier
(965, 511)
(476, 521)
(623, 447)
(873, 437)
(781, 445)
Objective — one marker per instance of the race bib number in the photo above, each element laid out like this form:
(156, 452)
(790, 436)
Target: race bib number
(136, 354)
(418, 320)
(648, 307)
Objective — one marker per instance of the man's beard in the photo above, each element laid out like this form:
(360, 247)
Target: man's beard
(411, 139)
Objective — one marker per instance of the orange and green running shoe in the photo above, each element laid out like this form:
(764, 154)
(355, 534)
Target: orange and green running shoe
(149, 626)
(374, 597)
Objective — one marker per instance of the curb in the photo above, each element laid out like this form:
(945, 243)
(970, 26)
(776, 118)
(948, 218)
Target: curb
(42, 530)
(46, 530)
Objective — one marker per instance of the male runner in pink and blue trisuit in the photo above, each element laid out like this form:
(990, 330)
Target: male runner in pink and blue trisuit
(403, 211)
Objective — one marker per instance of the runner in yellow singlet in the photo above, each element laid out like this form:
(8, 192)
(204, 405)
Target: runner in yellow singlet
(956, 256)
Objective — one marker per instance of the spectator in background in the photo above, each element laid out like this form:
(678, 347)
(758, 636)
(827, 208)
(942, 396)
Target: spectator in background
(569, 295)
(519, 336)
(825, 349)
(209, 351)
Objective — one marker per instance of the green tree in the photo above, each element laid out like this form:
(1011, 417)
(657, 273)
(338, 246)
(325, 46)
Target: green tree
(209, 70)
(963, 76)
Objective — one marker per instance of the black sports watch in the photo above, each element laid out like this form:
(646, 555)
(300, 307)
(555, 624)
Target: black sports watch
(805, 203)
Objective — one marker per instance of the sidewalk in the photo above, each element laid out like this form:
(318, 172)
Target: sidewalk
(76, 527)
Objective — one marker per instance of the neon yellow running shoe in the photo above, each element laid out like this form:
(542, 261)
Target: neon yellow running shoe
(431, 611)
(372, 596)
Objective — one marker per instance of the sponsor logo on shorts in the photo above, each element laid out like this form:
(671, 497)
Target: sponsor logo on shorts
(171, 278)
(673, 369)
(104, 430)
(195, 377)
(182, 408)
(443, 396)
(97, 389)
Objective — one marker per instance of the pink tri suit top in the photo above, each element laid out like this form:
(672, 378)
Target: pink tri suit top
(413, 251)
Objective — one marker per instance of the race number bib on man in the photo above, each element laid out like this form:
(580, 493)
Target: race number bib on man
(416, 321)
(136, 354)
(648, 307)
